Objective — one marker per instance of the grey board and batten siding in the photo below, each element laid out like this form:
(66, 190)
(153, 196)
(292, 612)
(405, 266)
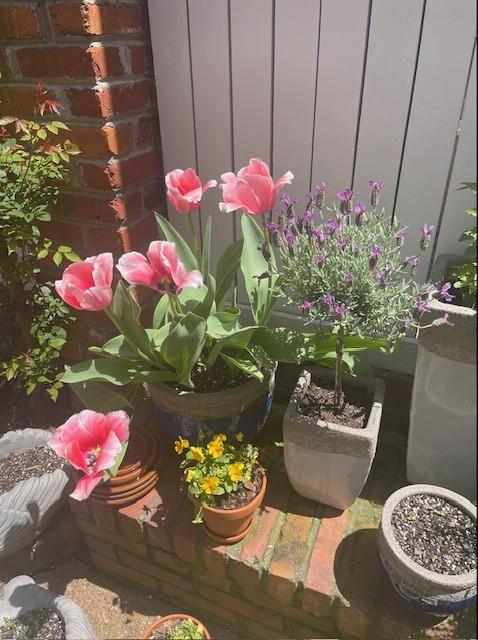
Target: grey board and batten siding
(337, 90)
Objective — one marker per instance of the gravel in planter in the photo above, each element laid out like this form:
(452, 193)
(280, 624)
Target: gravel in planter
(29, 464)
(38, 624)
(435, 534)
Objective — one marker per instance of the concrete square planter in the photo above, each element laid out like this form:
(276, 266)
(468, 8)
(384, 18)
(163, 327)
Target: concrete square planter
(423, 590)
(328, 462)
(442, 439)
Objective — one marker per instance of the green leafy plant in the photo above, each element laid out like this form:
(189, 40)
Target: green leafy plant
(215, 468)
(186, 630)
(34, 163)
(464, 275)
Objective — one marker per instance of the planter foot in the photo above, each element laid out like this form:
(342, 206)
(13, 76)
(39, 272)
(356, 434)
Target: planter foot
(229, 539)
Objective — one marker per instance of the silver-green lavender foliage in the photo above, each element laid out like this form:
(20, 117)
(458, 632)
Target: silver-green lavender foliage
(346, 266)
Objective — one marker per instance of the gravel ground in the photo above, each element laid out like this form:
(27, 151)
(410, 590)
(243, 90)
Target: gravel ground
(115, 609)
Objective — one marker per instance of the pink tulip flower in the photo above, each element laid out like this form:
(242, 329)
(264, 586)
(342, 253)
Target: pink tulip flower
(185, 189)
(160, 270)
(252, 190)
(86, 285)
(91, 441)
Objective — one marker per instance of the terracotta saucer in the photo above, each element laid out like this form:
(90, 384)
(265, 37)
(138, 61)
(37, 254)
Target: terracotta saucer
(123, 500)
(120, 489)
(230, 539)
(122, 477)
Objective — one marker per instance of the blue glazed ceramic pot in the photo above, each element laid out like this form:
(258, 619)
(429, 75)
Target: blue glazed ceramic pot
(241, 409)
(420, 589)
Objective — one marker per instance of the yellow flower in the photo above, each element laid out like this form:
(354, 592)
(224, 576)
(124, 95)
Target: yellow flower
(221, 436)
(235, 471)
(239, 436)
(181, 444)
(197, 453)
(189, 475)
(209, 485)
(215, 448)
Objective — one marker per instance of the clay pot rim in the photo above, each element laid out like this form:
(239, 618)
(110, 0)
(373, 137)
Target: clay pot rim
(170, 618)
(135, 466)
(242, 510)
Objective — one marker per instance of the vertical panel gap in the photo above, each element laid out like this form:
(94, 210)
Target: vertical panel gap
(362, 85)
(231, 108)
(452, 163)
(194, 111)
(273, 27)
(315, 96)
(409, 111)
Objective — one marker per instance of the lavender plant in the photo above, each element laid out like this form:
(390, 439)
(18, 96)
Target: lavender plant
(343, 265)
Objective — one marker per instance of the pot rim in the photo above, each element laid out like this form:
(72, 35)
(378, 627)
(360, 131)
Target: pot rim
(169, 618)
(240, 510)
(374, 384)
(459, 581)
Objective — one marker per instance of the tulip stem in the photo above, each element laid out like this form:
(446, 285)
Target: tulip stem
(195, 240)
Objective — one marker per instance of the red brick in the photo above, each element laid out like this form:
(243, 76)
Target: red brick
(103, 516)
(72, 352)
(85, 334)
(84, 102)
(18, 22)
(87, 207)
(138, 235)
(155, 196)
(115, 539)
(133, 519)
(141, 59)
(128, 207)
(54, 61)
(113, 567)
(200, 604)
(153, 570)
(257, 630)
(100, 547)
(90, 139)
(354, 622)
(105, 239)
(124, 97)
(95, 176)
(130, 171)
(106, 19)
(320, 580)
(106, 61)
(19, 101)
(148, 130)
(170, 561)
(215, 558)
(65, 233)
(80, 508)
(4, 68)
(119, 137)
(185, 534)
(67, 19)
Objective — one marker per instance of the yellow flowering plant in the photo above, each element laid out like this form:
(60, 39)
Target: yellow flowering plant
(215, 467)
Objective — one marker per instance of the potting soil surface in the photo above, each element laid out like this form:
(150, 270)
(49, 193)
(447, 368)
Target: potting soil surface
(318, 401)
(39, 624)
(29, 464)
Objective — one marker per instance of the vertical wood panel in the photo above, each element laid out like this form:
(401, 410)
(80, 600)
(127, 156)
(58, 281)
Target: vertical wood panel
(295, 60)
(392, 50)
(210, 68)
(342, 46)
(251, 68)
(455, 219)
(170, 44)
(447, 43)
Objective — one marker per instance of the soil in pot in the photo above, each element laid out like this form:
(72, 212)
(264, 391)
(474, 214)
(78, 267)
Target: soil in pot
(435, 534)
(245, 492)
(166, 631)
(318, 402)
(38, 624)
(29, 464)
(219, 377)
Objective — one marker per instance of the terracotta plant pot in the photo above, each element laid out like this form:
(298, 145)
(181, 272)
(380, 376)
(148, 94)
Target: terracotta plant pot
(228, 526)
(174, 617)
(138, 473)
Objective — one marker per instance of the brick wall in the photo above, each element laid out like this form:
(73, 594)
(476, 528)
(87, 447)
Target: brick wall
(95, 57)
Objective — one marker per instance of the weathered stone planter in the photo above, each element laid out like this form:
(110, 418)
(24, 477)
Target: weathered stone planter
(442, 440)
(185, 413)
(22, 594)
(26, 509)
(424, 590)
(328, 462)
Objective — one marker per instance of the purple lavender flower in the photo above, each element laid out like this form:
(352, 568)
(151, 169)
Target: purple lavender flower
(400, 236)
(431, 289)
(290, 237)
(344, 241)
(421, 305)
(412, 262)
(345, 198)
(333, 225)
(340, 310)
(445, 292)
(349, 277)
(321, 257)
(374, 253)
(446, 320)
(309, 215)
(383, 276)
(407, 323)
(376, 186)
(359, 210)
(427, 231)
(320, 195)
(319, 235)
(273, 227)
(329, 300)
(288, 200)
(306, 306)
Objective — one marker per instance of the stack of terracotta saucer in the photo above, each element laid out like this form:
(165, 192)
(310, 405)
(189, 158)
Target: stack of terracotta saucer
(138, 473)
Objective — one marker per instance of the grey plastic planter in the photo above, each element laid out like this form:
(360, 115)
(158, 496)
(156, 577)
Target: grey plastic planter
(26, 509)
(419, 588)
(442, 439)
(22, 594)
(325, 461)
